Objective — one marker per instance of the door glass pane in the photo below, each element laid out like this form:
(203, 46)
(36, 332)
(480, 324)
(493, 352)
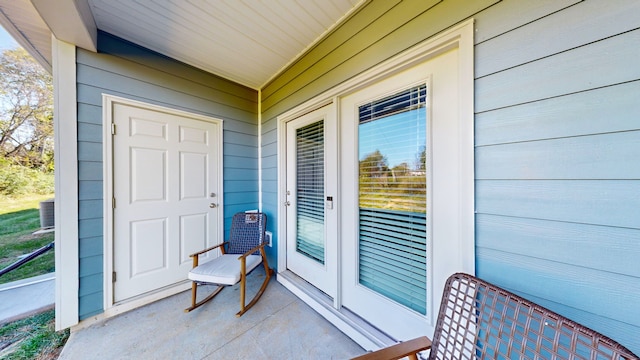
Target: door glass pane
(310, 191)
(392, 197)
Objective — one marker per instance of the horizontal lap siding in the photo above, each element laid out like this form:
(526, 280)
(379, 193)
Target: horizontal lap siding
(375, 33)
(557, 140)
(557, 148)
(123, 69)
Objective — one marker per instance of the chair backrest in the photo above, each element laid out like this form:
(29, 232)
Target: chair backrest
(478, 320)
(247, 232)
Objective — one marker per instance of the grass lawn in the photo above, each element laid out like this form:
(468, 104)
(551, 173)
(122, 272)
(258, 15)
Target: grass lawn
(19, 218)
(34, 337)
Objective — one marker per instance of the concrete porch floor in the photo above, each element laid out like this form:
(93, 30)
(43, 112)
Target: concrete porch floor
(279, 326)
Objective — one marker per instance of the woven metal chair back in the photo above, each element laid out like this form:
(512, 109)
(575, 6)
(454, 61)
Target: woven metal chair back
(478, 320)
(247, 232)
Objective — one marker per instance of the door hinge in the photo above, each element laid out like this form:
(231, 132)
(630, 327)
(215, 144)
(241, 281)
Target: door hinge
(113, 278)
(113, 202)
(113, 129)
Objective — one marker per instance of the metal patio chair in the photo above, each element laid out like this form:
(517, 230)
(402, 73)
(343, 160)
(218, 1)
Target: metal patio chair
(478, 320)
(241, 253)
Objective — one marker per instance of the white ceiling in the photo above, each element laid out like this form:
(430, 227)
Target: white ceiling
(247, 41)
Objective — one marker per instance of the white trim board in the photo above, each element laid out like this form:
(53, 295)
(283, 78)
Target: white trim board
(66, 183)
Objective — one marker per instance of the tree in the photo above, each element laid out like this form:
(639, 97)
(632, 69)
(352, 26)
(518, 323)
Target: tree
(26, 111)
(374, 165)
(421, 161)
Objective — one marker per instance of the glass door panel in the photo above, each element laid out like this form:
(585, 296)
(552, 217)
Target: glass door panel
(310, 191)
(311, 178)
(392, 194)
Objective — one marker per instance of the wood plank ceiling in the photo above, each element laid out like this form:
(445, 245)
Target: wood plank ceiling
(247, 41)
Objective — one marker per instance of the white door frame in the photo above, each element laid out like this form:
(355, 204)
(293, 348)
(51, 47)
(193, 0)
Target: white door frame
(459, 37)
(108, 101)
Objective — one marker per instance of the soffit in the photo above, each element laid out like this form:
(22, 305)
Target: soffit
(22, 21)
(247, 41)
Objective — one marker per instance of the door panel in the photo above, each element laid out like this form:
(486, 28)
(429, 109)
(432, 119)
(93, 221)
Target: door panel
(165, 178)
(148, 244)
(191, 227)
(193, 175)
(148, 175)
(311, 168)
(387, 237)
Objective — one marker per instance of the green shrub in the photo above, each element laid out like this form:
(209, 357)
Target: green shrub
(42, 183)
(19, 180)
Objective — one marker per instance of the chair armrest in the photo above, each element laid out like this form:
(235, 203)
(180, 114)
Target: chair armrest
(249, 252)
(207, 249)
(398, 351)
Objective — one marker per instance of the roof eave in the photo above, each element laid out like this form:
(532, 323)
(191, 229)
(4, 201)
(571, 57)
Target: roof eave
(24, 41)
(70, 21)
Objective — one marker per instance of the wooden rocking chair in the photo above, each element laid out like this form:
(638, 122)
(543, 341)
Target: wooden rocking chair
(241, 253)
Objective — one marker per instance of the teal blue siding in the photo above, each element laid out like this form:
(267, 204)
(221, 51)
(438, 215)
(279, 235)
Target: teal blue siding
(614, 289)
(513, 15)
(563, 158)
(124, 69)
(578, 293)
(582, 24)
(563, 73)
(610, 109)
(240, 162)
(557, 176)
(552, 240)
(90, 209)
(240, 185)
(557, 139)
(91, 170)
(91, 246)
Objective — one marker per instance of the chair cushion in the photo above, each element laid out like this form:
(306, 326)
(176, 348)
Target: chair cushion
(223, 270)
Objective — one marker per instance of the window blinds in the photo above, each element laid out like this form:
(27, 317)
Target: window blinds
(392, 197)
(310, 191)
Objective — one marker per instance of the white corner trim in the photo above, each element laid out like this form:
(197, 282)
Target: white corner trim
(467, 160)
(66, 183)
(260, 150)
(281, 226)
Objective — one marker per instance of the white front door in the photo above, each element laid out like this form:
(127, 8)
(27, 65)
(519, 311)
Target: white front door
(166, 190)
(400, 185)
(311, 190)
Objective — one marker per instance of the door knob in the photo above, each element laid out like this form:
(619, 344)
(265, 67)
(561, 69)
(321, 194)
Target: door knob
(213, 206)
